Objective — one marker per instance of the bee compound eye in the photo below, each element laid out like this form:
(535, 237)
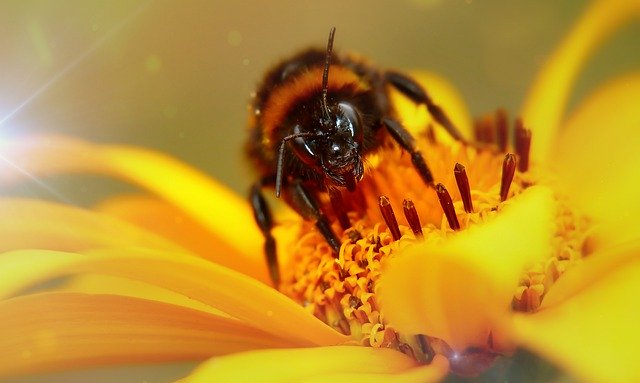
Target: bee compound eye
(304, 147)
(354, 120)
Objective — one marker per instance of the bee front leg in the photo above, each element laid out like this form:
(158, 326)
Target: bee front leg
(263, 217)
(305, 203)
(410, 88)
(406, 141)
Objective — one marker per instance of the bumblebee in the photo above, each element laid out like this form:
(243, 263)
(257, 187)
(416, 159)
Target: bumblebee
(313, 121)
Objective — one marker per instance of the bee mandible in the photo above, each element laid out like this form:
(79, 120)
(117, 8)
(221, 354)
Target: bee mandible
(314, 120)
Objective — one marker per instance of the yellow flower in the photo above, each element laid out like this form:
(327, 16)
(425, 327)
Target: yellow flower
(548, 260)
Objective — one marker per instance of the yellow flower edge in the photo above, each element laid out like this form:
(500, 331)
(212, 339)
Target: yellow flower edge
(320, 364)
(612, 286)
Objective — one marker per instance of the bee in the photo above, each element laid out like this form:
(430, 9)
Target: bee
(313, 122)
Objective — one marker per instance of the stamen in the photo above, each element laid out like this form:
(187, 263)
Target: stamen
(463, 186)
(484, 130)
(523, 145)
(502, 129)
(389, 217)
(412, 217)
(508, 170)
(447, 206)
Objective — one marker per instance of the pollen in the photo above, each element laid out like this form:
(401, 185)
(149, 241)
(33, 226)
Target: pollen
(392, 208)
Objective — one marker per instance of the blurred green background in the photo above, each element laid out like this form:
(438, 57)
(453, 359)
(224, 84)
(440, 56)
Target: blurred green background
(176, 75)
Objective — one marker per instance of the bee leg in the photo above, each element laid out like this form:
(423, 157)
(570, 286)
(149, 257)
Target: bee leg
(338, 208)
(262, 215)
(410, 88)
(406, 141)
(305, 203)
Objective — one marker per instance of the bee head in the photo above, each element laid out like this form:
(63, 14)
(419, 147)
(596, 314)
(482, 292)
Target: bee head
(334, 149)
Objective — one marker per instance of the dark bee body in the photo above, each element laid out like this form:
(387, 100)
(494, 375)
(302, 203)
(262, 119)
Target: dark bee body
(314, 120)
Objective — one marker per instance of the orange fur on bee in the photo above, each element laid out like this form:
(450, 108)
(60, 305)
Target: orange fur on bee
(284, 97)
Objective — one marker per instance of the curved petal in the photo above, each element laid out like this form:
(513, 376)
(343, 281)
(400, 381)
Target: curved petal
(39, 224)
(543, 109)
(594, 335)
(206, 201)
(168, 221)
(602, 136)
(435, 372)
(594, 267)
(236, 294)
(107, 284)
(31, 157)
(47, 332)
(312, 363)
(444, 94)
(459, 291)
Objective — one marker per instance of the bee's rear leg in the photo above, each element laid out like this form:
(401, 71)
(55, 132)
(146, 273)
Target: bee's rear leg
(263, 217)
(406, 141)
(410, 88)
(305, 203)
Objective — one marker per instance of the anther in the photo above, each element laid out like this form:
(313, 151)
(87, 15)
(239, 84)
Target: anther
(412, 217)
(523, 145)
(508, 169)
(389, 217)
(502, 129)
(463, 186)
(447, 207)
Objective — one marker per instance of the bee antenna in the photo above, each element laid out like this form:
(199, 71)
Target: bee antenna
(280, 164)
(325, 74)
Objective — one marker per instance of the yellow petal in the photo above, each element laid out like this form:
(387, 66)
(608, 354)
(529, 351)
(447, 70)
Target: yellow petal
(295, 365)
(591, 270)
(168, 221)
(206, 201)
(223, 289)
(46, 332)
(597, 161)
(444, 94)
(594, 335)
(460, 290)
(32, 157)
(435, 372)
(107, 284)
(40, 224)
(544, 108)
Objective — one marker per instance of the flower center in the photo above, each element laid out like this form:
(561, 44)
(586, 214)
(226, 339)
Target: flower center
(475, 183)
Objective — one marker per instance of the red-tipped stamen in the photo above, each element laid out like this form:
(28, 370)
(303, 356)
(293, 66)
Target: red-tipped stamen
(389, 217)
(447, 206)
(463, 186)
(412, 217)
(508, 170)
(502, 129)
(523, 145)
(484, 130)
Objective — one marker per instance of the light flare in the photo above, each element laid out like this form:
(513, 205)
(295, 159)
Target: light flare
(74, 63)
